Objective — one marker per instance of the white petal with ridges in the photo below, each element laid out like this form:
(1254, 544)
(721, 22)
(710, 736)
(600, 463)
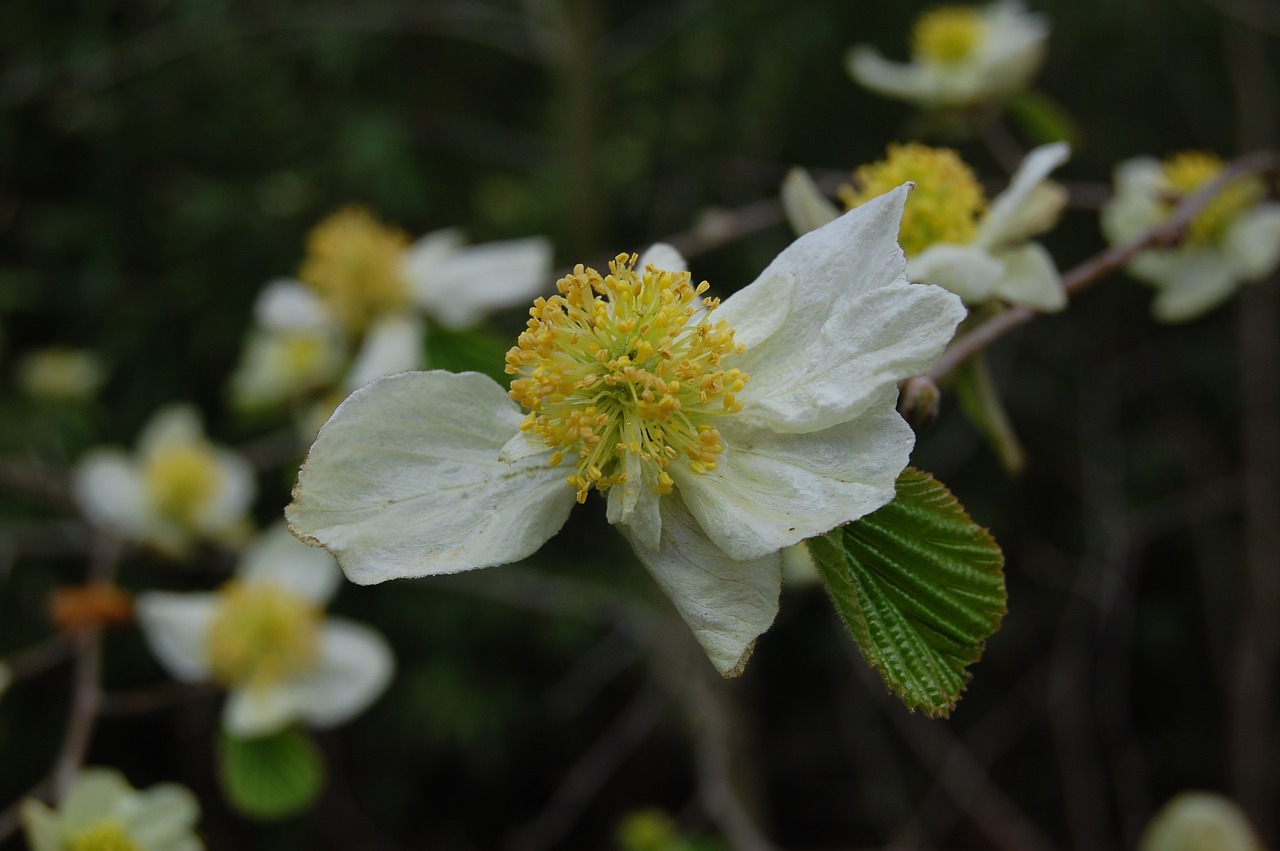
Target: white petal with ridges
(769, 491)
(405, 480)
(176, 627)
(727, 603)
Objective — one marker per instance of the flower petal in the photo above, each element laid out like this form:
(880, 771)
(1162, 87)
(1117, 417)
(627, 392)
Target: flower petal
(393, 344)
(41, 825)
(176, 627)
(892, 79)
(727, 603)
(1134, 207)
(355, 667)
(276, 556)
(769, 491)
(969, 271)
(109, 490)
(482, 278)
(635, 505)
(165, 815)
(405, 480)
(1252, 246)
(1200, 282)
(261, 711)
(1022, 210)
(863, 349)
(288, 305)
(662, 256)
(173, 424)
(423, 260)
(229, 505)
(806, 207)
(96, 794)
(1031, 279)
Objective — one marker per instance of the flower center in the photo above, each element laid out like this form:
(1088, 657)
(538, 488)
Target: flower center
(181, 478)
(1186, 172)
(107, 835)
(626, 368)
(947, 35)
(353, 263)
(260, 634)
(943, 208)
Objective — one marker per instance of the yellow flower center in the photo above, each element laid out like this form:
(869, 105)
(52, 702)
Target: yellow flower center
(626, 368)
(944, 206)
(181, 478)
(1186, 172)
(260, 634)
(107, 835)
(947, 35)
(353, 263)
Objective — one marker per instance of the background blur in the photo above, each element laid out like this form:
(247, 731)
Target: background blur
(160, 161)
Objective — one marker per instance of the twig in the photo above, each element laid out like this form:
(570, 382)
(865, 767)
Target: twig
(85, 700)
(38, 658)
(1167, 234)
(141, 701)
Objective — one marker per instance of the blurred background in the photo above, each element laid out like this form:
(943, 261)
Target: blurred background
(161, 160)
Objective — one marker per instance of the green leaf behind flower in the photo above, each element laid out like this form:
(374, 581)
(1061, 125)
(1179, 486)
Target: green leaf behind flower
(472, 350)
(920, 586)
(271, 777)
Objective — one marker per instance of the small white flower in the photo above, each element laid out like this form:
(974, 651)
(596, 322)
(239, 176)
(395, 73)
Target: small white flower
(365, 282)
(102, 812)
(960, 55)
(177, 488)
(952, 238)
(1200, 821)
(719, 434)
(73, 375)
(1234, 240)
(263, 638)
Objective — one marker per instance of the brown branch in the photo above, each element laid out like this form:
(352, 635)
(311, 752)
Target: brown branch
(1167, 234)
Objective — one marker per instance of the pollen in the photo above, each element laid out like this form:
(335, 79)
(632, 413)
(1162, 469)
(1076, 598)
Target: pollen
(106, 835)
(947, 35)
(260, 634)
(181, 479)
(943, 208)
(353, 264)
(626, 374)
(1186, 172)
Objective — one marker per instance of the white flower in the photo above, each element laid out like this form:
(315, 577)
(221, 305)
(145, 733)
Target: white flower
(1234, 240)
(102, 811)
(960, 55)
(719, 434)
(263, 638)
(1200, 821)
(176, 489)
(952, 238)
(73, 375)
(364, 281)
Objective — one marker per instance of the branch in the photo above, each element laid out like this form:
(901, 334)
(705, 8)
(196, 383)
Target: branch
(1167, 234)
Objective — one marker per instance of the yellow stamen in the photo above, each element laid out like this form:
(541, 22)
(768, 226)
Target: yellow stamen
(107, 835)
(626, 366)
(1186, 172)
(353, 263)
(261, 633)
(944, 206)
(947, 35)
(181, 479)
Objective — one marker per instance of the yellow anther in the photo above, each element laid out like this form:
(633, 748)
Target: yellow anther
(1186, 172)
(106, 835)
(353, 264)
(181, 479)
(261, 633)
(943, 208)
(947, 35)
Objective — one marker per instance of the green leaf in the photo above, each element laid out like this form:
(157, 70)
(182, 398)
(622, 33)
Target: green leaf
(468, 351)
(271, 777)
(920, 586)
(1043, 119)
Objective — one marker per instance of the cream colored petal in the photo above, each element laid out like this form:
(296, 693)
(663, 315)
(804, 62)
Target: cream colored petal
(96, 793)
(1012, 50)
(806, 207)
(784, 309)
(1031, 279)
(166, 814)
(41, 825)
(969, 271)
(891, 79)
(1200, 821)
(355, 667)
(1028, 206)
(173, 424)
(393, 344)
(289, 305)
(1200, 282)
(422, 260)
(662, 256)
(1135, 206)
(769, 491)
(1252, 244)
(405, 480)
(1155, 266)
(176, 627)
(253, 712)
(483, 278)
(220, 518)
(109, 490)
(276, 556)
(727, 603)
(856, 359)
(636, 505)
